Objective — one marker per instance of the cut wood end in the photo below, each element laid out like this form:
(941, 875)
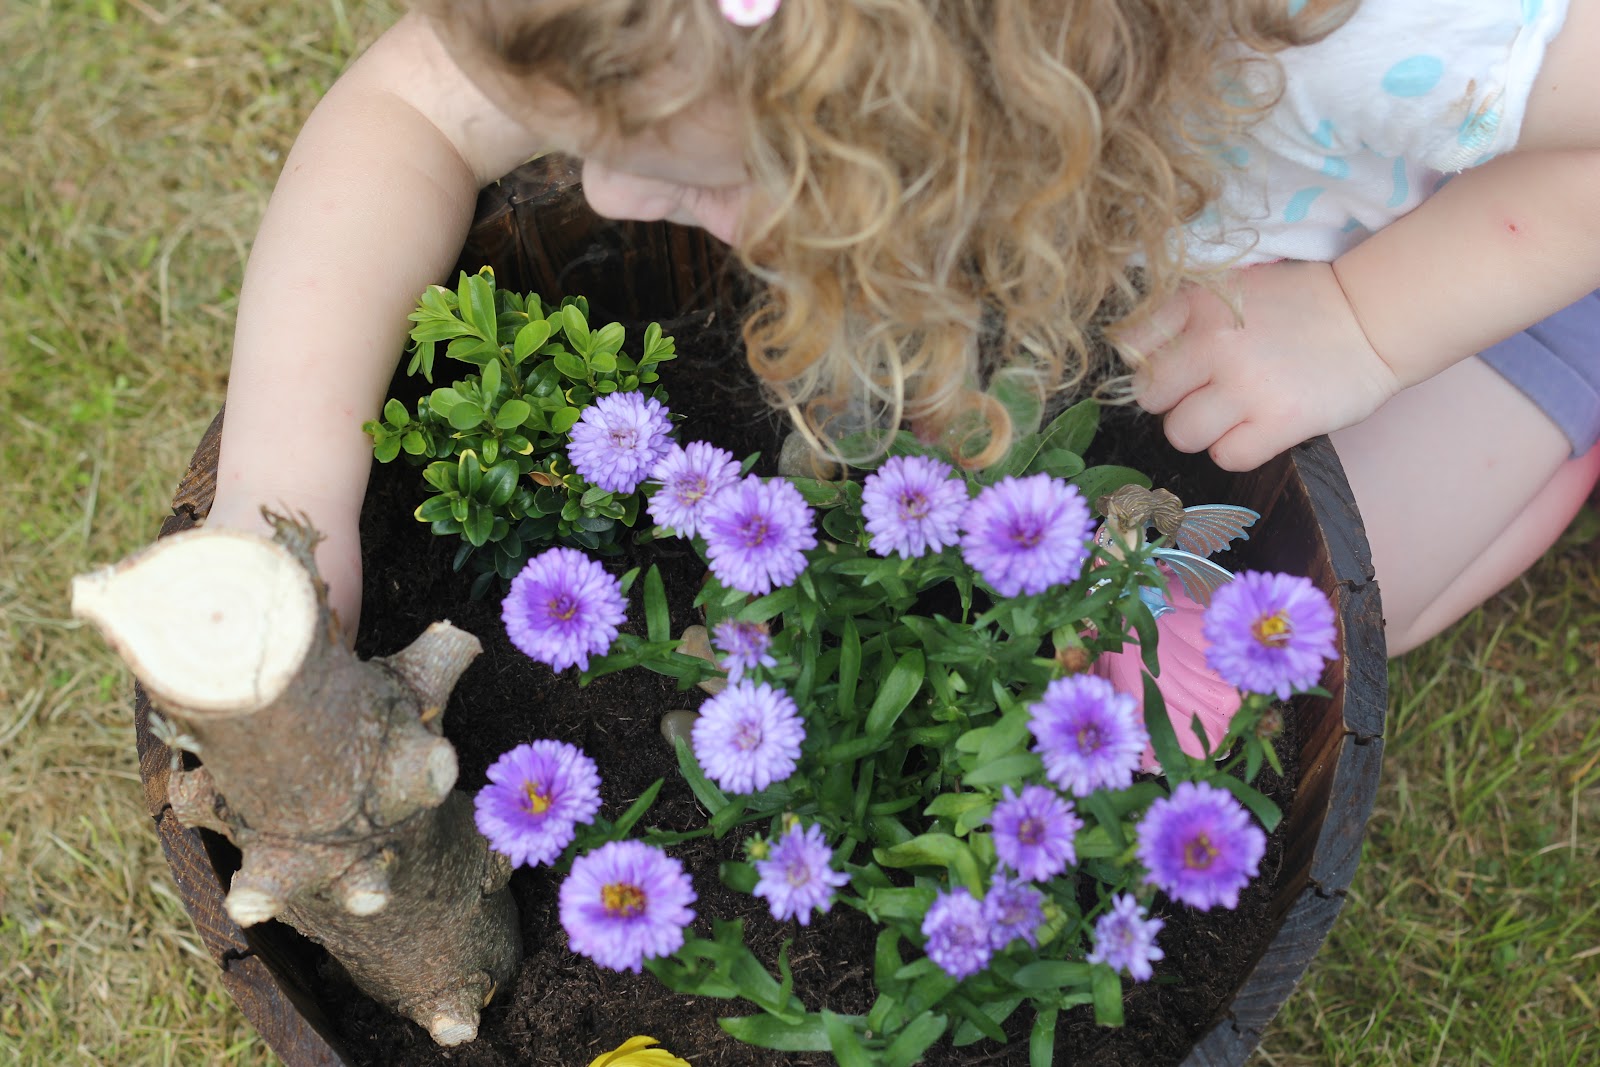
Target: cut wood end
(448, 1030)
(365, 902)
(250, 906)
(211, 621)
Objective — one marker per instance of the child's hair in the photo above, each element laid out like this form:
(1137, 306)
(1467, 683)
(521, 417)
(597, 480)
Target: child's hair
(950, 176)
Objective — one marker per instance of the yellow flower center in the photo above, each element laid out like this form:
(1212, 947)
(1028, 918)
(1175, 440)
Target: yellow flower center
(538, 800)
(563, 607)
(1198, 853)
(621, 900)
(1273, 630)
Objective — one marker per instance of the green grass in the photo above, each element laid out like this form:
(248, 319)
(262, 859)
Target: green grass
(141, 139)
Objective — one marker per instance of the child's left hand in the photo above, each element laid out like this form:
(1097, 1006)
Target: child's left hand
(1292, 364)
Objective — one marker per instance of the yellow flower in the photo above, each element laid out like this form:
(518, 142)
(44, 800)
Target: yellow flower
(636, 1052)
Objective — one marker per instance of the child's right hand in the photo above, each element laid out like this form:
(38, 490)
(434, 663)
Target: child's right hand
(1278, 362)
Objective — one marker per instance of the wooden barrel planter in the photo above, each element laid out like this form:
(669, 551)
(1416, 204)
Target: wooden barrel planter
(538, 234)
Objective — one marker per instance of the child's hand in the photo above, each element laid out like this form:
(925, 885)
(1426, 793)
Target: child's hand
(1292, 364)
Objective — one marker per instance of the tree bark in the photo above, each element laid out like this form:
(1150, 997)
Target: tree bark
(327, 772)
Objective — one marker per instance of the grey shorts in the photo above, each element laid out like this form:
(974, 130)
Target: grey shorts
(1556, 363)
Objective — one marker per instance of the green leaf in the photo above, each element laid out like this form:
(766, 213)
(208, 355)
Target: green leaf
(434, 509)
(1042, 1040)
(571, 366)
(511, 414)
(395, 413)
(385, 448)
(479, 524)
(1259, 805)
(1048, 975)
(844, 1042)
(529, 340)
(905, 679)
(915, 1039)
(1073, 429)
(415, 443)
(739, 877)
(1163, 739)
(1019, 392)
(768, 1031)
(475, 296)
(499, 482)
(637, 809)
(576, 327)
(711, 798)
(465, 416)
(1097, 482)
(1107, 989)
(473, 350)
(442, 400)
(658, 622)
(469, 473)
(1007, 770)
(564, 419)
(490, 382)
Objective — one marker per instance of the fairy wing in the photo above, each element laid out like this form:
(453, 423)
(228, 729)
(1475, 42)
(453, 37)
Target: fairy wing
(1200, 577)
(1209, 528)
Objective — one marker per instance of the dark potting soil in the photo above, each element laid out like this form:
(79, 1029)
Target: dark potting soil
(561, 1010)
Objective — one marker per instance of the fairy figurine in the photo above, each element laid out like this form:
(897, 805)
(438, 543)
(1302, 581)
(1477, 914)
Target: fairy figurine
(1184, 540)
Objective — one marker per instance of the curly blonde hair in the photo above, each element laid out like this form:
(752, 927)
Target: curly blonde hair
(954, 186)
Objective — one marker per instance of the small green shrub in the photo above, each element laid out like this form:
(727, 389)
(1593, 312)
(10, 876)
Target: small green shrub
(493, 443)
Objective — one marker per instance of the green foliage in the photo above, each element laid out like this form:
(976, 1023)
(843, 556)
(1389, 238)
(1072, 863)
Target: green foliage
(493, 443)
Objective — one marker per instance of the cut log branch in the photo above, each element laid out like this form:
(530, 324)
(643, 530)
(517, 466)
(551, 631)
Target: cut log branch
(329, 773)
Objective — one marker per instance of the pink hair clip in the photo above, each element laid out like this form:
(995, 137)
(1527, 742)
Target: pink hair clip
(748, 12)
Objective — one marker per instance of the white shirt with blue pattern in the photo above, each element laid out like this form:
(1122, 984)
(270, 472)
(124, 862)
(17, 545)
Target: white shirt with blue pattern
(1373, 120)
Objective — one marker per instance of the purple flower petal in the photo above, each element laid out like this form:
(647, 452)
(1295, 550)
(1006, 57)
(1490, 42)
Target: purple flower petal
(624, 903)
(1200, 846)
(757, 533)
(689, 477)
(743, 646)
(1035, 834)
(913, 505)
(1024, 535)
(957, 933)
(619, 439)
(1270, 633)
(537, 795)
(1125, 939)
(797, 875)
(748, 736)
(1013, 909)
(562, 607)
(1089, 735)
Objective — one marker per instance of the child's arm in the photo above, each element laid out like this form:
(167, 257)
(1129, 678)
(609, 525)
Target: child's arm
(1317, 346)
(372, 206)
(1322, 346)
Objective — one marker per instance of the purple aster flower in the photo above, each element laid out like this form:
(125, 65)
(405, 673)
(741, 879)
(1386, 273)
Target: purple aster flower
(913, 505)
(1035, 834)
(957, 933)
(619, 439)
(743, 646)
(537, 795)
(1200, 846)
(1090, 736)
(1024, 535)
(757, 533)
(797, 876)
(624, 903)
(689, 477)
(561, 607)
(748, 736)
(1270, 633)
(1126, 940)
(1013, 909)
